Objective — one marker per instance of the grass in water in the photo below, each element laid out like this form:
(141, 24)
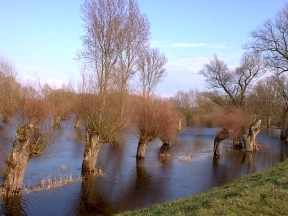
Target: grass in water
(51, 183)
(264, 193)
(54, 183)
(185, 158)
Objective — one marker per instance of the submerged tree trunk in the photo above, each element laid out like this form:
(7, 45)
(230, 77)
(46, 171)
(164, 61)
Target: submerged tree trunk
(249, 139)
(179, 124)
(142, 145)
(93, 145)
(17, 162)
(164, 148)
(269, 118)
(57, 120)
(283, 134)
(220, 136)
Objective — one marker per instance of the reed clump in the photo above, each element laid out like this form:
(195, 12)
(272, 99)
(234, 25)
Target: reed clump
(51, 183)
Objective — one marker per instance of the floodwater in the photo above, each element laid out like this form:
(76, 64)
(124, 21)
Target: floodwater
(188, 169)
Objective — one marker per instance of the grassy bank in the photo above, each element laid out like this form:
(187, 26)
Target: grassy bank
(264, 193)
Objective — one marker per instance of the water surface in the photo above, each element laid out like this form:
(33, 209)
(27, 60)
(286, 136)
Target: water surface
(126, 185)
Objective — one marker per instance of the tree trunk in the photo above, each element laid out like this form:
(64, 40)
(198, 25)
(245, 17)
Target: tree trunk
(141, 150)
(93, 145)
(17, 162)
(269, 121)
(57, 120)
(164, 148)
(220, 136)
(249, 139)
(283, 134)
(248, 146)
(179, 124)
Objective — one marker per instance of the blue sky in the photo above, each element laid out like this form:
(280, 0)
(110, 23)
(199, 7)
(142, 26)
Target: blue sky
(41, 37)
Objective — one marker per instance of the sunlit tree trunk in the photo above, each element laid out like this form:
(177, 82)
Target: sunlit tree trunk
(92, 147)
(142, 145)
(269, 118)
(249, 140)
(220, 136)
(17, 162)
(57, 120)
(179, 124)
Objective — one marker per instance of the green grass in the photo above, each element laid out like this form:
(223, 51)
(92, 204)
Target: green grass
(264, 193)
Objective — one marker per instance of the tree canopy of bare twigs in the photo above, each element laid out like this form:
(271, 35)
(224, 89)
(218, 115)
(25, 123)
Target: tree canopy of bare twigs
(185, 102)
(9, 88)
(115, 34)
(271, 40)
(61, 101)
(266, 100)
(151, 66)
(232, 86)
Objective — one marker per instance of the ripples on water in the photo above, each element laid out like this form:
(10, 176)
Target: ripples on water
(189, 169)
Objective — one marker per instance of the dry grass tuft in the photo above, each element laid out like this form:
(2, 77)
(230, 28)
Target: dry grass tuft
(185, 158)
(164, 155)
(64, 168)
(51, 183)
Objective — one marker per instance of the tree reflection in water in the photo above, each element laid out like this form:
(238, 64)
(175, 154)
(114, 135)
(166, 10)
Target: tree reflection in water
(130, 184)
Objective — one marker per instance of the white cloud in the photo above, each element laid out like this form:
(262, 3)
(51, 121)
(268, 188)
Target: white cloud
(36, 81)
(160, 44)
(54, 83)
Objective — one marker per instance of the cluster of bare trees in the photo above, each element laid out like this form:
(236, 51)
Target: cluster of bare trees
(119, 75)
(270, 40)
(115, 52)
(236, 89)
(26, 108)
(120, 72)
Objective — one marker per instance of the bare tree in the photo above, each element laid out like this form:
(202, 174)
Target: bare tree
(185, 102)
(282, 88)
(234, 84)
(153, 118)
(102, 126)
(61, 103)
(271, 41)
(136, 32)
(234, 122)
(9, 88)
(107, 55)
(265, 98)
(168, 121)
(151, 66)
(34, 134)
(145, 117)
